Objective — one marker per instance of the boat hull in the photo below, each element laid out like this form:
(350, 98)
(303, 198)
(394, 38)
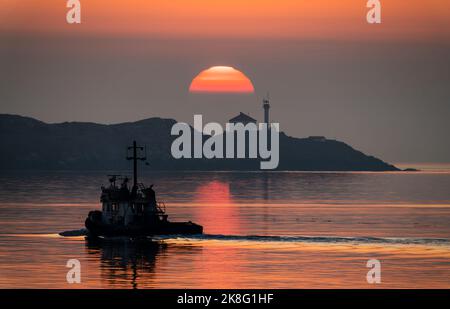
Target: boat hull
(97, 228)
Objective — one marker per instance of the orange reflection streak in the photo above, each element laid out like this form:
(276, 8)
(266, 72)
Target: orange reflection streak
(221, 215)
(221, 79)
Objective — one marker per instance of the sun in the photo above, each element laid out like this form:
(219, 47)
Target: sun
(221, 79)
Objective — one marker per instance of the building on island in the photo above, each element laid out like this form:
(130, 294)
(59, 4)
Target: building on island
(242, 118)
(246, 119)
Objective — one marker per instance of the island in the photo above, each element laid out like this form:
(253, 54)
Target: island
(30, 144)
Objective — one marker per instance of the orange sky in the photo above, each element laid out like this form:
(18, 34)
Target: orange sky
(405, 19)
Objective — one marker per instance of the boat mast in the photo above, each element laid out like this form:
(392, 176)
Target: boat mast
(135, 157)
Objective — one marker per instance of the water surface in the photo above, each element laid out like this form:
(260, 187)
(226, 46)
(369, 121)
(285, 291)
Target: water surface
(276, 229)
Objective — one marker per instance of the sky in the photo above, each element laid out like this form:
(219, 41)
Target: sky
(384, 89)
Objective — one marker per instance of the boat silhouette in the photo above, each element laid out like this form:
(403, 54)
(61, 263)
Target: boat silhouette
(134, 212)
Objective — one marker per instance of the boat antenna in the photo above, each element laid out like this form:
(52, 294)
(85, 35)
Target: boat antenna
(135, 157)
(113, 178)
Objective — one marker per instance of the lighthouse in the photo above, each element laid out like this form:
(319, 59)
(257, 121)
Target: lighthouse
(266, 106)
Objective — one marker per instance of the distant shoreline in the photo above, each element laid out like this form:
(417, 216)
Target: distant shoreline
(30, 144)
(425, 167)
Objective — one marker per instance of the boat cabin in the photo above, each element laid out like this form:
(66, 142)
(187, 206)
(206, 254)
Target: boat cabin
(122, 206)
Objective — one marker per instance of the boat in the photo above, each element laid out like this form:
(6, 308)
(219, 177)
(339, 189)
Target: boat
(135, 212)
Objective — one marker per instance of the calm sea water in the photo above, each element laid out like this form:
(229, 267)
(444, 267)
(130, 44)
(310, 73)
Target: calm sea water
(277, 230)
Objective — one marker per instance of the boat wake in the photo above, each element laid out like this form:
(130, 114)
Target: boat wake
(289, 239)
(310, 239)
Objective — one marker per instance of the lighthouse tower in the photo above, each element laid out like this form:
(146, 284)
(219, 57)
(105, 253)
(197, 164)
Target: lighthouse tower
(266, 106)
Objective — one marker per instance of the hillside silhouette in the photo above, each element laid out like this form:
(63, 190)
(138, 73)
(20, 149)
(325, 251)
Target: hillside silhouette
(30, 144)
